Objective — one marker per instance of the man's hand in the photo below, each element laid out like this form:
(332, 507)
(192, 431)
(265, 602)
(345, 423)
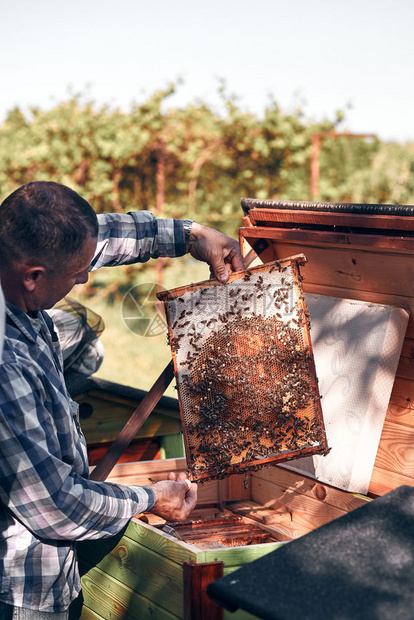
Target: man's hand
(175, 498)
(221, 252)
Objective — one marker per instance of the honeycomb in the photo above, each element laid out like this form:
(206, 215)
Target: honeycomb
(245, 371)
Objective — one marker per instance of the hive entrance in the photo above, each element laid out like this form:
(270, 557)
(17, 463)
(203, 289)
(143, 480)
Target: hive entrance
(245, 372)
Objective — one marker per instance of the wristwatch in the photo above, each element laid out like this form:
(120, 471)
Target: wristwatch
(187, 229)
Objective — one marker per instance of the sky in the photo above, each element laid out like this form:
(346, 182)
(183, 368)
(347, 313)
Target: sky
(317, 55)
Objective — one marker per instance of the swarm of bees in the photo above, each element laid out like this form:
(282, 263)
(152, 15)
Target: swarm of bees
(245, 371)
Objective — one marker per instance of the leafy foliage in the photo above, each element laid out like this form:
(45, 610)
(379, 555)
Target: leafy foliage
(192, 162)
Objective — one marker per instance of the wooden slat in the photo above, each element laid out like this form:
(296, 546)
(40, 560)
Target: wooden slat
(132, 474)
(238, 487)
(258, 513)
(240, 614)
(307, 513)
(146, 472)
(349, 283)
(112, 599)
(238, 556)
(253, 237)
(408, 348)
(396, 449)
(197, 605)
(388, 273)
(291, 482)
(155, 468)
(400, 415)
(382, 481)
(165, 545)
(146, 572)
(88, 614)
(326, 218)
(402, 394)
(139, 449)
(405, 369)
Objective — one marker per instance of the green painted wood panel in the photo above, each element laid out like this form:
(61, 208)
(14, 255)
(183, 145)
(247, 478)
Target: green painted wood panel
(161, 543)
(172, 446)
(113, 600)
(238, 556)
(145, 571)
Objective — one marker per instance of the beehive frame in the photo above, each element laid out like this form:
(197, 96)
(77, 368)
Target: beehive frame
(245, 371)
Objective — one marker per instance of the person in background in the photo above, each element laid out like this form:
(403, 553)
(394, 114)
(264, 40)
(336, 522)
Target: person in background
(78, 329)
(50, 238)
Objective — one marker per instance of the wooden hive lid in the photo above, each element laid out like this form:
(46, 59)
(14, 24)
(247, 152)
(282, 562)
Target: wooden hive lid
(382, 217)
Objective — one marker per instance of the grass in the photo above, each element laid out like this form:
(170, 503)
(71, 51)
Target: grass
(131, 359)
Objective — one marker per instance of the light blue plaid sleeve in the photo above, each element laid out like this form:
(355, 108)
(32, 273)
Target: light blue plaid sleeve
(126, 238)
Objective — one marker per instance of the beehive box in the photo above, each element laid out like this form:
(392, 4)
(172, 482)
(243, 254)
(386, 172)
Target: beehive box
(152, 574)
(367, 257)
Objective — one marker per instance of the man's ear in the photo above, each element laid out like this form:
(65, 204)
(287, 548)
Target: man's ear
(33, 276)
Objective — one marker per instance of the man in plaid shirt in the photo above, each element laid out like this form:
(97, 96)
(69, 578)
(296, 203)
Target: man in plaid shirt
(49, 239)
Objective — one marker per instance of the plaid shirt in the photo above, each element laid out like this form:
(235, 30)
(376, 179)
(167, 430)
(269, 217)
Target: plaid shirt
(47, 501)
(1, 321)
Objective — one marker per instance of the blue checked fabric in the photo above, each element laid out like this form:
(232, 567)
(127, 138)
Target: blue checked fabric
(47, 501)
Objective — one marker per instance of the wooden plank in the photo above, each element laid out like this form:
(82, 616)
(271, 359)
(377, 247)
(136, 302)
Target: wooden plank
(291, 482)
(324, 218)
(147, 573)
(146, 471)
(307, 512)
(165, 545)
(139, 449)
(112, 599)
(396, 449)
(400, 415)
(240, 614)
(238, 487)
(154, 468)
(408, 348)
(238, 556)
(405, 368)
(389, 273)
(89, 614)
(197, 605)
(132, 474)
(402, 394)
(315, 281)
(253, 236)
(383, 481)
(258, 513)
